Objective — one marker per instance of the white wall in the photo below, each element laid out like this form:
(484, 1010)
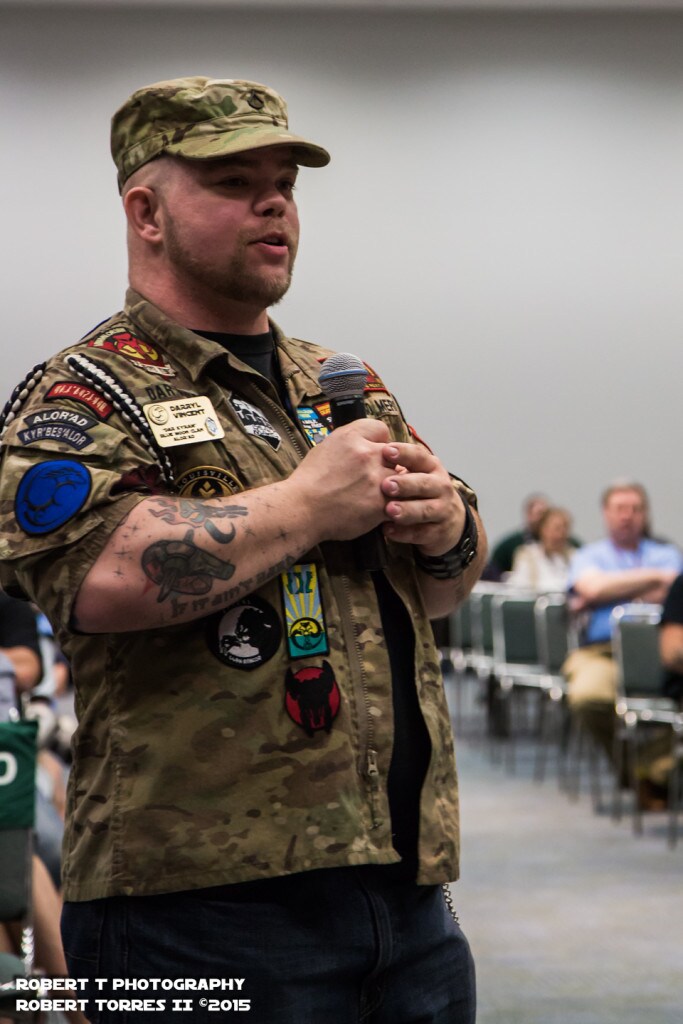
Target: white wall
(500, 231)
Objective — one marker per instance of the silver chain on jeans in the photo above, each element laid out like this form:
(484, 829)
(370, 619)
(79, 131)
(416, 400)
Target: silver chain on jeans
(448, 897)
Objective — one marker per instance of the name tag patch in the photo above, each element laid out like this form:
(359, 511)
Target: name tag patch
(304, 615)
(183, 421)
(160, 392)
(255, 423)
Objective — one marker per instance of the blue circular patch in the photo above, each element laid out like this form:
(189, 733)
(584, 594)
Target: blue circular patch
(50, 494)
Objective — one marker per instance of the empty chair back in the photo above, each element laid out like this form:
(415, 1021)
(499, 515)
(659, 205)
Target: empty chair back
(514, 629)
(460, 627)
(554, 631)
(481, 626)
(635, 642)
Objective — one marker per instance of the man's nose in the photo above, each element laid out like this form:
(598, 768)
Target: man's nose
(270, 203)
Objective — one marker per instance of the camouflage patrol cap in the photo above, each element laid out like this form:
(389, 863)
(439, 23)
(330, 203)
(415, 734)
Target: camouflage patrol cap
(201, 119)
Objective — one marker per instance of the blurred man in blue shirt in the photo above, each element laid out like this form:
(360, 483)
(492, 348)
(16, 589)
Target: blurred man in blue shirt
(626, 566)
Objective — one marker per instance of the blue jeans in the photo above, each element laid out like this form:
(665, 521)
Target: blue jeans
(336, 946)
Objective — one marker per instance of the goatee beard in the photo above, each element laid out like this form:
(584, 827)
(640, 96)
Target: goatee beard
(235, 282)
(252, 289)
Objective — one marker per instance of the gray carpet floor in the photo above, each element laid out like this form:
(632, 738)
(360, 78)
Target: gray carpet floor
(571, 918)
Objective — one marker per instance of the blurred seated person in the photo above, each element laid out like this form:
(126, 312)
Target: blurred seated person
(543, 565)
(502, 555)
(52, 700)
(56, 725)
(671, 641)
(625, 566)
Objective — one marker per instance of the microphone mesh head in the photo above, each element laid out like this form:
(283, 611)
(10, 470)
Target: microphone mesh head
(343, 376)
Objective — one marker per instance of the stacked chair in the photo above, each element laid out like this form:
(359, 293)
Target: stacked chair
(555, 637)
(513, 644)
(516, 667)
(676, 782)
(470, 651)
(640, 704)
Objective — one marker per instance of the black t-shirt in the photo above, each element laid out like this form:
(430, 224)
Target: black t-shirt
(412, 748)
(673, 612)
(257, 351)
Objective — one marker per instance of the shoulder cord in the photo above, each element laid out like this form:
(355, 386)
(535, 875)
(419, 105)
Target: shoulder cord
(103, 381)
(19, 396)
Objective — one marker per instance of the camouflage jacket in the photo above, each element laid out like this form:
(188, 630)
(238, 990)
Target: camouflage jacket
(248, 743)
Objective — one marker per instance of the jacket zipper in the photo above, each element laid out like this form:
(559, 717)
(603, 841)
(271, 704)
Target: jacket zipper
(368, 761)
(284, 419)
(369, 766)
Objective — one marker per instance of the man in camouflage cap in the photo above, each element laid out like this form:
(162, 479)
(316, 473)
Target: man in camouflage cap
(263, 802)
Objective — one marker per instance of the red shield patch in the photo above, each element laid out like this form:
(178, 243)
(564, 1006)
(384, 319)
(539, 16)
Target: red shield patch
(312, 698)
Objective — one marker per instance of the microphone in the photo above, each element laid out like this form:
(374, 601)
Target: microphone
(342, 381)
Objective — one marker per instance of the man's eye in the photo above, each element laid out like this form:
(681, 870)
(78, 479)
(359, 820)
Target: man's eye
(288, 185)
(234, 181)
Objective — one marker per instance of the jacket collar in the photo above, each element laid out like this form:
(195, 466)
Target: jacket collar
(299, 361)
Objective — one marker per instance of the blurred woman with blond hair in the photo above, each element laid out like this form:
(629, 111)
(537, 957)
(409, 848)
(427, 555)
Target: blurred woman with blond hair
(543, 565)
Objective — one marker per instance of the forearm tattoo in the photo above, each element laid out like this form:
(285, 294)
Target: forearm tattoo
(180, 566)
(197, 514)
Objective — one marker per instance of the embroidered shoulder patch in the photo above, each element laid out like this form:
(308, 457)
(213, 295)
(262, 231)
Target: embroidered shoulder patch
(123, 343)
(76, 392)
(374, 382)
(49, 494)
(63, 426)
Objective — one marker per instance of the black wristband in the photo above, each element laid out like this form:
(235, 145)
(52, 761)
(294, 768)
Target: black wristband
(452, 563)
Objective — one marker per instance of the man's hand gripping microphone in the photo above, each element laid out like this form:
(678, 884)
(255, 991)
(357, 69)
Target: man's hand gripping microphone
(342, 380)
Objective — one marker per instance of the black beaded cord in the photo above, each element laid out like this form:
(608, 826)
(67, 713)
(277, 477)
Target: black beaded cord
(110, 387)
(19, 396)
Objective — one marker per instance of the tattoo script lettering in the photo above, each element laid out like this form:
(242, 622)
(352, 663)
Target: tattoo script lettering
(223, 600)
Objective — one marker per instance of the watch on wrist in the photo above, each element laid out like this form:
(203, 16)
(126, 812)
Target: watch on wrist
(452, 563)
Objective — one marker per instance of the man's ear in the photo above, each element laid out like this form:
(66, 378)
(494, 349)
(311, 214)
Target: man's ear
(142, 208)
